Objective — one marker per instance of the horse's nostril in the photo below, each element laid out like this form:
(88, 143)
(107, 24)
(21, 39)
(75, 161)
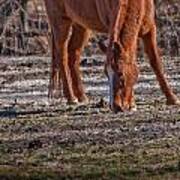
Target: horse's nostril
(120, 74)
(117, 108)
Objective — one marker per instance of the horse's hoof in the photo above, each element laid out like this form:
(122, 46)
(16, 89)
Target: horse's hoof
(133, 108)
(173, 102)
(73, 102)
(84, 100)
(177, 102)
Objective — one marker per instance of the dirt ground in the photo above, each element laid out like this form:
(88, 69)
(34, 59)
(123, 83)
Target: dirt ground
(46, 139)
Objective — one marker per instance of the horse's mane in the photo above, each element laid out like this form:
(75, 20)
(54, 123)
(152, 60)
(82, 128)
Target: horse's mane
(112, 13)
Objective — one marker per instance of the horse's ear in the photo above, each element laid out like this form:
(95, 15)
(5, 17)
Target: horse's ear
(102, 47)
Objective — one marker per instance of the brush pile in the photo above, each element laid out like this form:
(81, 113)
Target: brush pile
(24, 27)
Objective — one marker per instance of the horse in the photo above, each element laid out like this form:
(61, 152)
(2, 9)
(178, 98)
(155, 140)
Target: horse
(124, 22)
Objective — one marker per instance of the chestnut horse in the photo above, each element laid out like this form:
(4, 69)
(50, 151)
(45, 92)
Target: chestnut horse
(124, 21)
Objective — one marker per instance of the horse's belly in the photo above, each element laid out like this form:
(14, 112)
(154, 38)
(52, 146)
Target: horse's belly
(90, 24)
(85, 14)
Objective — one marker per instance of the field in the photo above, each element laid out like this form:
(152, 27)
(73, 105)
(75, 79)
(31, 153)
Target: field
(46, 139)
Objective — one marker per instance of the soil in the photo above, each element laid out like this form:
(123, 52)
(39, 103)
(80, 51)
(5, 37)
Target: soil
(43, 138)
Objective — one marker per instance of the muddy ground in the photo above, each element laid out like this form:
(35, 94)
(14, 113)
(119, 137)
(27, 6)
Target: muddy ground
(45, 139)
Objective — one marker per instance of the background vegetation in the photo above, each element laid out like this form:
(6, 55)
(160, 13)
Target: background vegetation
(24, 27)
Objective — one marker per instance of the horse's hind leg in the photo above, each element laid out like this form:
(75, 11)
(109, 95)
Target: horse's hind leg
(151, 49)
(61, 26)
(78, 39)
(61, 35)
(55, 78)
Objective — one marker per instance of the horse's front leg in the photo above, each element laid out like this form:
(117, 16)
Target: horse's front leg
(128, 95)
(151, 48)
(77, 41)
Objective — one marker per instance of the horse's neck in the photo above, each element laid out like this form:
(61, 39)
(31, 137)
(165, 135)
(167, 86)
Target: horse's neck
(118, 19)
(105, 10)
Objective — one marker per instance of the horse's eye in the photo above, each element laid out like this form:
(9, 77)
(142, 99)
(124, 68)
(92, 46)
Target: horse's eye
(121, 83)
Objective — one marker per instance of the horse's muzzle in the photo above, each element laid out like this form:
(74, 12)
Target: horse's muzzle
(116, 108)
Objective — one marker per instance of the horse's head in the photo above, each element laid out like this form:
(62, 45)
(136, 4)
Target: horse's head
(122, 74)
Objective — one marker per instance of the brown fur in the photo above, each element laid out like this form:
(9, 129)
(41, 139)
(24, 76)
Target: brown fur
(124, 21)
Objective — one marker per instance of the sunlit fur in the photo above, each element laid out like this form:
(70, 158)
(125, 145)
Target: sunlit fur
(124, 21)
